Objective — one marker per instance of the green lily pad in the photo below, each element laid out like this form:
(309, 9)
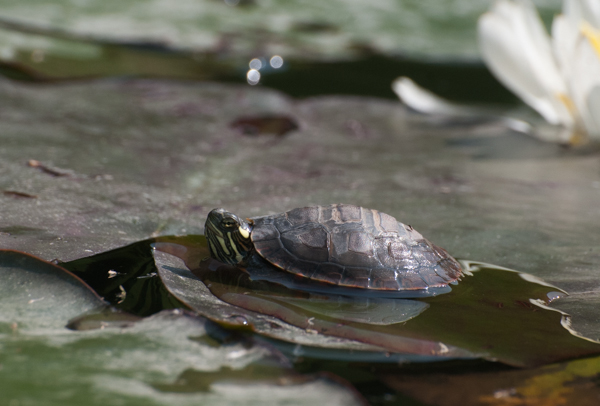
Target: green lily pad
(147, 158)
(331, 30)
(144, 364)
(188, 288)
(134, 360)
(38, 297)
(493, 313)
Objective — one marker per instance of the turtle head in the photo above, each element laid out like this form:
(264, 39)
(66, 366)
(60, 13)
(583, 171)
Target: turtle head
(228, 237)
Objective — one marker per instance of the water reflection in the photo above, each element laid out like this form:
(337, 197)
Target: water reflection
(256, 64)
(253, 77)
(276, 62)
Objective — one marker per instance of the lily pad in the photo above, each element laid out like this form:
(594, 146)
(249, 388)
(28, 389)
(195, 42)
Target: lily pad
(191, 290)
(493, 313)
(38, 297)
(140, 365)
(331, 30)
(134, 359)
(153, 157)
(565, 383)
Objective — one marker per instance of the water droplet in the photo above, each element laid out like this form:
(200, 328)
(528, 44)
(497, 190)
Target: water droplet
(239, 320)
(554, 295)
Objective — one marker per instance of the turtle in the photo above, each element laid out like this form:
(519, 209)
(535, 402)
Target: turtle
(339, 244)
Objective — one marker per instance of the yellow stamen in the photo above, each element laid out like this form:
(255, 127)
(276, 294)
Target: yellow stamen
(592, 35)
(568, 102)
(578, 138)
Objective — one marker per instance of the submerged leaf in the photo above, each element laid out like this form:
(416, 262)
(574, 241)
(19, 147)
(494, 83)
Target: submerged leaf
(569, 383)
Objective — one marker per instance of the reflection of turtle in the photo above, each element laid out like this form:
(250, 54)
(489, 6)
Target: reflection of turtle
(339, 244)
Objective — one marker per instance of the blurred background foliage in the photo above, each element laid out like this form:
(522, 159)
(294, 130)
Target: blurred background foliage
(343, 47)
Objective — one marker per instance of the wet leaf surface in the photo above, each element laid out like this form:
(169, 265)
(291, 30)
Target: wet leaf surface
(154, 157)
(202, 381)
(185, 286)
(493, 313)
(38, 297)
(111, 354)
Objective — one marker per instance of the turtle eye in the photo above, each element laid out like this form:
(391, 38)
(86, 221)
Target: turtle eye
(228, 223)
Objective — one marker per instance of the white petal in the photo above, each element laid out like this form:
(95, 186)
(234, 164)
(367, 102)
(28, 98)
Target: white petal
(584, 81)
(564, 39)
(517, 49)
(593, 120)
(422, 100)
(586, 10)
(426, 102)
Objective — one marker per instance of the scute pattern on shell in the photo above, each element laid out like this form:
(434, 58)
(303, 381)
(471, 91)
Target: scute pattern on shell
(352, 246)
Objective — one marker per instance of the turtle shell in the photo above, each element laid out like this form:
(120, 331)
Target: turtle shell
(352, 246)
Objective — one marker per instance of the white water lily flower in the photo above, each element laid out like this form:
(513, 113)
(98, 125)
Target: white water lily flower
(559, 76)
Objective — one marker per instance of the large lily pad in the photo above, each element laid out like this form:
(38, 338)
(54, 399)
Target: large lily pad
(493, 313)
(330, 30)
(144, 158)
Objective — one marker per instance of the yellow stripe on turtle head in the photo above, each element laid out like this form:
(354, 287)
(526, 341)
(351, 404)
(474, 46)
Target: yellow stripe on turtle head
(223, 245)
(244, 232)
(238, 256)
